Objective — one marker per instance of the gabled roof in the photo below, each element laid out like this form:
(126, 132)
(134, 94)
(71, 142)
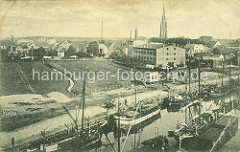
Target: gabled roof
(42, 44)
(151, 46)
(24, 46)
(224, 50)
(188, 46)
(228, 42)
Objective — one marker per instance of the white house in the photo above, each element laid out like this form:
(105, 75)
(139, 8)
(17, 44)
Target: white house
(195, 48)
(103, 49)
(24, 41)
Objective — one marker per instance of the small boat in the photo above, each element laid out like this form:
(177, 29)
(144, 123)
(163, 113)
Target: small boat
(215, 95)
(84, 141)
(195, 126)
(159, 143)
(216, 135)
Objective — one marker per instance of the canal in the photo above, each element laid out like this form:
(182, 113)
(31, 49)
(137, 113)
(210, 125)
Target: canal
(167, 122)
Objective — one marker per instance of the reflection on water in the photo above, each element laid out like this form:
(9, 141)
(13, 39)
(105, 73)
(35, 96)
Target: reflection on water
(169, 121)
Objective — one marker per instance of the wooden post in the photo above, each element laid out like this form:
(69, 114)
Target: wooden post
(180, 143)
(186, 119)
(199, 81)
(189, 77)
(83, 100)
(118, 128)
(13, 142)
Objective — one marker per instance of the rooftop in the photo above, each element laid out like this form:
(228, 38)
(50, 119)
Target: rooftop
(151, 45)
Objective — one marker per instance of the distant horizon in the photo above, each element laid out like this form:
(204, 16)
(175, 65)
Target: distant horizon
(192, 19)
(98, 38)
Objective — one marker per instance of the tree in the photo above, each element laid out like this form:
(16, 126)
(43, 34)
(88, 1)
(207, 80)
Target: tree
(117, 55)
(51, 53)
(82, 54)
(206, 39)
(4, 55)
(93, 48)
(181, 41)
(71, 51)
(216, 51)
(37, 53)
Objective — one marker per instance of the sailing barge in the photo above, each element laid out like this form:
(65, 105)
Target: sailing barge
(137, 118)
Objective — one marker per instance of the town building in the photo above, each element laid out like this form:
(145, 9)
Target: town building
(216, 60)
(159, 55)
(47, 40)
(24, 41)
(194, 49)
(3, 47)
(227, 43)
(103, 50)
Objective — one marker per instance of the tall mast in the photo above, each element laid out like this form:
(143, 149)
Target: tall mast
(199, 80)
(83, 99)
(118, 127)
(189, 72)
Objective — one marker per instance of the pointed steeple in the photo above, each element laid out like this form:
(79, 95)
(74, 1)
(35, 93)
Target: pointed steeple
(163, 26)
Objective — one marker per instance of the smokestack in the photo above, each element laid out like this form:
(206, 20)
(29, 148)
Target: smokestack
(102, 31)
(130, 34)
(11, 43)
(136, 33)
(12, 38)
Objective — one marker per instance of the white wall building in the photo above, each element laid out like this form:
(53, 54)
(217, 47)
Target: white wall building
(160, 55)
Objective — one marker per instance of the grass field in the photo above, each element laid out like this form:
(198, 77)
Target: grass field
(10, 80)
(92, 65)
(43, 86)
(17, 77)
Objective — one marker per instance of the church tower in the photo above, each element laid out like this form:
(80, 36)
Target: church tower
(163, 26)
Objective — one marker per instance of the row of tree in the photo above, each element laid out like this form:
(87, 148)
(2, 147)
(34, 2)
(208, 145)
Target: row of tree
(179, 41)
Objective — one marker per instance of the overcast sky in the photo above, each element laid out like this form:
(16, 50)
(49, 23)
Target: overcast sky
(217, 18)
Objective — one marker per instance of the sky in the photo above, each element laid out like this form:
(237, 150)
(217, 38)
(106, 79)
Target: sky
(81, 18)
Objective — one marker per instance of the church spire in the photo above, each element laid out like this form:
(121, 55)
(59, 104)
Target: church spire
(163, 15)
(163, 26)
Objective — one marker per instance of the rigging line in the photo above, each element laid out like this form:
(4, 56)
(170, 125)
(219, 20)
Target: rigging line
(76, 126)
(130, 127)
(220, 137)
(110, 142)
(48, 126)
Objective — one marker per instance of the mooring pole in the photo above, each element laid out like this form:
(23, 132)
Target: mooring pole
(199, 80)
(13, 139)
(118, 128)
(83, 100)
(189, 73)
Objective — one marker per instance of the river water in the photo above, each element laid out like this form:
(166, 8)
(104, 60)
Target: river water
(167, 122)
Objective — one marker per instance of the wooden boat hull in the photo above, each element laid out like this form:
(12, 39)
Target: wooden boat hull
(138, 123)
